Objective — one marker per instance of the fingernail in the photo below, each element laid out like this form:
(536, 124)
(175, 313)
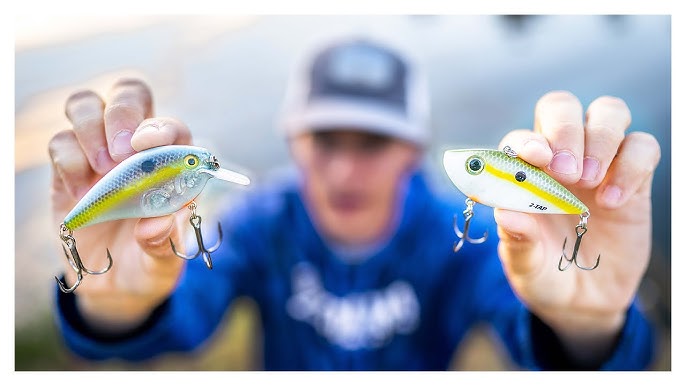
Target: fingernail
(148, 128)
(591, 167)
(612, 195)
(121, 144)
(563, 162)
(103, 161)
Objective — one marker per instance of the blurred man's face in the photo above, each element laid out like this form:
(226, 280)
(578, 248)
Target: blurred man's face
(352, 181)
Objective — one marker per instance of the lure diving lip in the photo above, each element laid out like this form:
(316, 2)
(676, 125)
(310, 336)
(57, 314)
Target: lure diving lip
(228, 175)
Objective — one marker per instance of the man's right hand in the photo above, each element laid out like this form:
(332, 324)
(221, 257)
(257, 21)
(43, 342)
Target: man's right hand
(145, 270)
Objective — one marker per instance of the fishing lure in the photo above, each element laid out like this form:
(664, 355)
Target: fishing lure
(151, 183)
(502, 179)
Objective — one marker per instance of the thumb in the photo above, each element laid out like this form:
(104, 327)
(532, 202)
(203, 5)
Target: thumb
(153, 235)
(520, 242)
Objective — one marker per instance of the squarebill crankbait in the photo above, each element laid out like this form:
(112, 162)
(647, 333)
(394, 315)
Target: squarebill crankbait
(501, 179)
(151, 183)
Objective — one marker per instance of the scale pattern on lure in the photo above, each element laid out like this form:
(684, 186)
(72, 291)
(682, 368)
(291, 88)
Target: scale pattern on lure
(503, 180)
(151, 183)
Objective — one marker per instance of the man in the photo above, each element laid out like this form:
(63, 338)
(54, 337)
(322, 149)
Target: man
(351, 261)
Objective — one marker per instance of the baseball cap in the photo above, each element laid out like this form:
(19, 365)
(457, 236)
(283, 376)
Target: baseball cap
(358, 84)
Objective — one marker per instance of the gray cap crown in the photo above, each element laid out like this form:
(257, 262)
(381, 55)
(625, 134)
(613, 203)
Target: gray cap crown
(358, 84)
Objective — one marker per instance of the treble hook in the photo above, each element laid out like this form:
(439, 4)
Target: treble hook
(468, 213)
(195, 220)
(580, 231)
(67, 236)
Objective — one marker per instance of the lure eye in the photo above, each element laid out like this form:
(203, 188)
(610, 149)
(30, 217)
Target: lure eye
(191, 161)
(474, 165)
(520, 176)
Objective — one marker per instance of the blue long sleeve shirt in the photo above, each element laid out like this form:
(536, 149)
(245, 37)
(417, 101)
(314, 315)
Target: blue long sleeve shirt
(407, 306)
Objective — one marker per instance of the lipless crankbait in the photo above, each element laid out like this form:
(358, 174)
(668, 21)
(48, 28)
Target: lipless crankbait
(503, 180)
(151, 183)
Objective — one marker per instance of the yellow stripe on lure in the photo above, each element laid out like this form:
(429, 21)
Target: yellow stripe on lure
(501, 179)
(151, 183)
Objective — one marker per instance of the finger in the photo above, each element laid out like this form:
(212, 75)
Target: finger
(559, 118)
(70, 164)
(160, 132)
(85, 111)
(60, 196)
(518, 239)
(129, 103)
(607, 118)
(530, 146)
(631, 171)
(153, 235)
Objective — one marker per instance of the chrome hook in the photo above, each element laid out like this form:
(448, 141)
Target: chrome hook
(580, 231)
(67, 236)
(468, 213)
(195, 220)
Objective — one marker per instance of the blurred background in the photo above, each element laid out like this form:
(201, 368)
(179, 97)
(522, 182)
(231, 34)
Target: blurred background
(225, 76)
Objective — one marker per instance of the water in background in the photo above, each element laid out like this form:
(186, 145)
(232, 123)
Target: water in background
(225, 76)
